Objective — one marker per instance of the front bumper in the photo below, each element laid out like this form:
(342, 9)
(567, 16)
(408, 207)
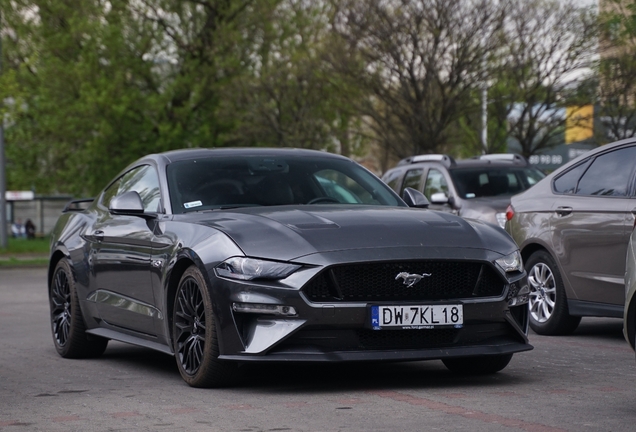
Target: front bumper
(341, 331)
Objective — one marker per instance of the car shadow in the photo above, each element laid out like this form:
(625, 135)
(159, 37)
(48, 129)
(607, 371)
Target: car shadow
(327, 378)
(601, 327)
(323, 377)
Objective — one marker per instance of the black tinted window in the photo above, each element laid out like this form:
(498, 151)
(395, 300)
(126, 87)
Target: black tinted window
(242, 181)
(488, 181)
(609, 174)
(566, 183)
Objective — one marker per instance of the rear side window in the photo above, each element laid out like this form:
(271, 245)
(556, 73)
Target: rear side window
(566, 183)
(609, 174)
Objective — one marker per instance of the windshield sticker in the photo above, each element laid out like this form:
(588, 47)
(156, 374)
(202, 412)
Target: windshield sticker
(192, 204)
(470, 195)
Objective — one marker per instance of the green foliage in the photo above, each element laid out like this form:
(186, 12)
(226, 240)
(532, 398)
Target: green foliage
(616, 71)
(18, 246)
(88, 87)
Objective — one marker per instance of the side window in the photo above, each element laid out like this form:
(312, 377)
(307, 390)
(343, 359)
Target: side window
(435, 182)
(392, 179)
(608, 175)
(412, 179)
(144, 181)
(566, 183)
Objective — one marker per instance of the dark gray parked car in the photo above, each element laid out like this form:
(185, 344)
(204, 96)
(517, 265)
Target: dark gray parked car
(477, 188)
(572, 229)
(253, 255)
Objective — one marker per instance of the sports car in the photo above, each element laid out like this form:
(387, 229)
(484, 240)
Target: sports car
(225, 256)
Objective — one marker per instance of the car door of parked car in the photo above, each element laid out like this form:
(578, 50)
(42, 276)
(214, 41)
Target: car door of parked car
(591, 223)
(121, 255)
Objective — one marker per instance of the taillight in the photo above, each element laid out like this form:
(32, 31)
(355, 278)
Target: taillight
(510, 212)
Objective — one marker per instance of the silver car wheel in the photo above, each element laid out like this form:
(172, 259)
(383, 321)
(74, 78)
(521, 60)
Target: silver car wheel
(542, 292)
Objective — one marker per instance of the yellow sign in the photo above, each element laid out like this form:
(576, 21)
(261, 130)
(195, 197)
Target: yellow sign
(579, 123)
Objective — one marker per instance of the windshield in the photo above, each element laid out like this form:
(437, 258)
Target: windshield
(240, 181)
(477, 182)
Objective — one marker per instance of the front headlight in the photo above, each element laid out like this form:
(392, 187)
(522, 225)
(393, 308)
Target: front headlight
(511, 263)
(251, 268)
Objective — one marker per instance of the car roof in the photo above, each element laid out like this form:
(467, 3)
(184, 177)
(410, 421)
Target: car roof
(186, 154)
(476, 162)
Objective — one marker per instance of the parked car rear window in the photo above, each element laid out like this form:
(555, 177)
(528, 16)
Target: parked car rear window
(479, 182)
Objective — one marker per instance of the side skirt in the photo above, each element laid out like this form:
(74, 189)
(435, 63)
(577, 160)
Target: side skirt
(115, 335)
(583, 308)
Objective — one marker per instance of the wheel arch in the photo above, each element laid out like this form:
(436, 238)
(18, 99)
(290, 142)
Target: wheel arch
(531, 248)
(177, 271)
(56, 257)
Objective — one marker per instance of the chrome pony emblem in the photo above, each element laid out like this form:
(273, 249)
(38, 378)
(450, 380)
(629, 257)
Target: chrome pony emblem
(411, 279)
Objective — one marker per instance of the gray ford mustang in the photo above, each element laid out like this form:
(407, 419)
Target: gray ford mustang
(226, 256)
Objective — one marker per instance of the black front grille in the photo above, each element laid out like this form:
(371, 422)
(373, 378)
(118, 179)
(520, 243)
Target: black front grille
(377, 282)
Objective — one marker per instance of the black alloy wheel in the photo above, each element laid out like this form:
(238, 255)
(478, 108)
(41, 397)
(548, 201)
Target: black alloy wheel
(67, 324)
(194, 334)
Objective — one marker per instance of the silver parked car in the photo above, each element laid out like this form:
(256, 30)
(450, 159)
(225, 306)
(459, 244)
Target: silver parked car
(477, 188)
(573, 228)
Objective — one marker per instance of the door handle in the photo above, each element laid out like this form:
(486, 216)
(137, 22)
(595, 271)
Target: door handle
(563, 211)
(98, 235)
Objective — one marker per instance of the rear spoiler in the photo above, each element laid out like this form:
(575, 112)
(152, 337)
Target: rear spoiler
(78, 205)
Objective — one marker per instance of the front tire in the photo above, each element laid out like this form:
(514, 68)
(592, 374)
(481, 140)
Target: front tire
(549, 313)
(194, 335)
(67, 323)
(483, 365)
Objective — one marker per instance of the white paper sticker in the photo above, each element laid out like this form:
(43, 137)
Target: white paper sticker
(192, 204)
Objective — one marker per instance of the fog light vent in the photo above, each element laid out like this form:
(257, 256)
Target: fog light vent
(258, 308)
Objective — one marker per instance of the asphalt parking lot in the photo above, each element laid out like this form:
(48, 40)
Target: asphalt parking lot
(580, 382)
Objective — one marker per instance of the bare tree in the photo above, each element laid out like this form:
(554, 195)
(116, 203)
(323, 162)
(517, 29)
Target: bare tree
(616, 70)
(547, 47)
(422, 58)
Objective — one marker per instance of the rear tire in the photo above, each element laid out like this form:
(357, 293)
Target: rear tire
(194, 335)
(549, 313)
(67, 323)
(483, 365)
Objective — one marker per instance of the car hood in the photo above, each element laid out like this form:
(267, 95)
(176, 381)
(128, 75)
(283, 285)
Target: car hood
(290, 232)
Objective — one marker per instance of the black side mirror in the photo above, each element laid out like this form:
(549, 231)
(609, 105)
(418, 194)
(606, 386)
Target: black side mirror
(128, 203)
(414, 198)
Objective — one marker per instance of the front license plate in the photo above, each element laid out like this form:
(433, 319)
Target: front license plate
(416, 316)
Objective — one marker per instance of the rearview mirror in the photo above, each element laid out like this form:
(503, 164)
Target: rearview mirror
(439, 198)
(414, 198)
(128, 203)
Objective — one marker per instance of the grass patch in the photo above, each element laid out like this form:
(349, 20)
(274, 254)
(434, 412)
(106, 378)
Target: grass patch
(31, 262)
(18, 246)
